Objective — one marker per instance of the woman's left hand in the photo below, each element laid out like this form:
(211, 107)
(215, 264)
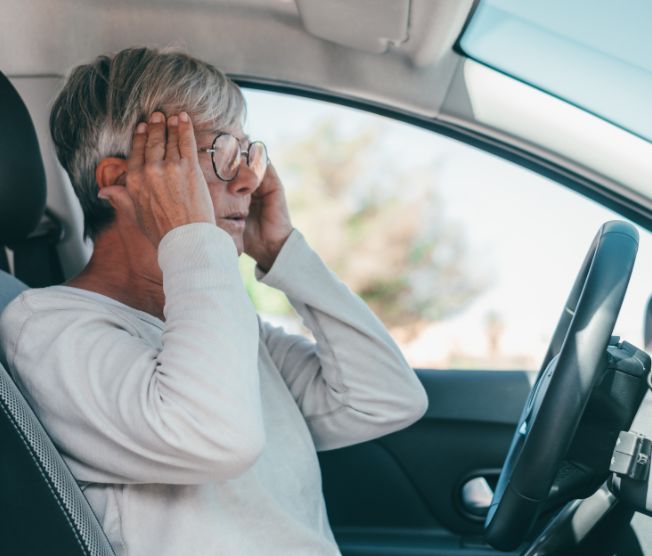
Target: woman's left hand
(268, 222)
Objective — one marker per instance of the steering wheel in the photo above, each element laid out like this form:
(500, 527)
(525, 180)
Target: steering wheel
(563, 386)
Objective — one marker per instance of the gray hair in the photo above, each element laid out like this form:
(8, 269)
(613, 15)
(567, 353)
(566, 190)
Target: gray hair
(101, 102)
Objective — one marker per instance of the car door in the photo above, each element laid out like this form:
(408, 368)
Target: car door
(423, 490)
(467, 259)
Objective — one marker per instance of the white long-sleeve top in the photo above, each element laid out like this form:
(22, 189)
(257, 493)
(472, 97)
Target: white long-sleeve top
(198, 435)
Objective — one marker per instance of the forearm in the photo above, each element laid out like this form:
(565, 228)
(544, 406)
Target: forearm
(354, 384)
(123, 408)
(209, 358)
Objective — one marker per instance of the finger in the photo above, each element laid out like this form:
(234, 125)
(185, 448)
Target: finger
(120, 200)
(270, 180)
(137, 155)
(270, 173)
(187, 142)
(172, 145)
(155, 146)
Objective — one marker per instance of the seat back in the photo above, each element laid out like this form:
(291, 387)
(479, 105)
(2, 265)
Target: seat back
(26, 226)
(42, 509)
(10, 287)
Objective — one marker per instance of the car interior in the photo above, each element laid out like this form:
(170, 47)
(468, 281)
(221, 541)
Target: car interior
(504, 461)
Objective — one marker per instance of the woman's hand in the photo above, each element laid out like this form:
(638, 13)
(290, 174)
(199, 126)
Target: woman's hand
(165, 187)
(268, 223)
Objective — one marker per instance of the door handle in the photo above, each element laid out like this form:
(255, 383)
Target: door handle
(476, 496)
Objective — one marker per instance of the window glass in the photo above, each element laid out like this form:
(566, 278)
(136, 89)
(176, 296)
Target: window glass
(597, 55)
(465, 257)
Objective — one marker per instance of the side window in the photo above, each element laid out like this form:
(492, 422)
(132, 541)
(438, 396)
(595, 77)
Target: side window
(466, 258)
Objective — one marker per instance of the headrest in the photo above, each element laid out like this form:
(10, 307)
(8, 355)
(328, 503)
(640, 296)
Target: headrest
(22, 176)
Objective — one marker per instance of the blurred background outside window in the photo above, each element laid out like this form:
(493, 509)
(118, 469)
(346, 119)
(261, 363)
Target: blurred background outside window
(466, 258)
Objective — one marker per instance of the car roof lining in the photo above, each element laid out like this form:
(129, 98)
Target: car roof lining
(260, 38)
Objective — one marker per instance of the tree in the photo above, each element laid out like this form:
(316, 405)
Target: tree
(378, 224)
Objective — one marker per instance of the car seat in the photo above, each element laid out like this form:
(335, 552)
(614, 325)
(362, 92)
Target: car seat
(43, 511)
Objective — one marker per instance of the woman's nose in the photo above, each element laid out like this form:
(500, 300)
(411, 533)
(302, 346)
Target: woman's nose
(246, 182)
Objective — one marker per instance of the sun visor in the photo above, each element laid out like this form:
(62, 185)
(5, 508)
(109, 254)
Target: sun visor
(368, 25)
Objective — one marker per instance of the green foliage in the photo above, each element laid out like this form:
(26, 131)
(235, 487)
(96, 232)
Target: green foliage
(266, 300)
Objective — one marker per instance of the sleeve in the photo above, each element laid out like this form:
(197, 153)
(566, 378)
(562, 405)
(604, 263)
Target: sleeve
(353, 384)
(122, 411)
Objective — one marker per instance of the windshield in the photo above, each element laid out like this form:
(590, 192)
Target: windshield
(594, 54)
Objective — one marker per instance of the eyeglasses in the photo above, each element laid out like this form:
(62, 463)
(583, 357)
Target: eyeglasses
(227, 156)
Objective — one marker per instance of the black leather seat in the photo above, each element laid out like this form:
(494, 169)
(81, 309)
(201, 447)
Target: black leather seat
(42, 510)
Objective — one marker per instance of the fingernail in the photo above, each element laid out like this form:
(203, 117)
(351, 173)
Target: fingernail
(156, 117)
(173, 120)
(183, 116)
(102, 195)
(141, 127)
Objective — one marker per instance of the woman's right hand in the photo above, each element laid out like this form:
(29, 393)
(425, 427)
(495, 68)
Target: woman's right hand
(165, 187)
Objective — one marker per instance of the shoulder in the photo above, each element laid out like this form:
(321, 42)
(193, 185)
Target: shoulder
(41, 317)
(53, 302)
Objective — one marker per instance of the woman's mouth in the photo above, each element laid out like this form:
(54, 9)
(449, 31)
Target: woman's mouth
(235, 221)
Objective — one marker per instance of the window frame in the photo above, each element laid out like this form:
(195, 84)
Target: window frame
(593, 190)
(587, 190)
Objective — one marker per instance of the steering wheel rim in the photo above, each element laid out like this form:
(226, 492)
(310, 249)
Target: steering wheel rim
(563, 386)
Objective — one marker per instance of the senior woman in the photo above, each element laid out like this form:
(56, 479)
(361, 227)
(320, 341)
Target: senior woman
(191, 424)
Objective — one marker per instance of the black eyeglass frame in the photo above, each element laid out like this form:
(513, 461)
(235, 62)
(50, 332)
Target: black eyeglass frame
(246, 153)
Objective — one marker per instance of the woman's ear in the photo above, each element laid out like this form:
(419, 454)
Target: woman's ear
(111, 177)
(111, 171)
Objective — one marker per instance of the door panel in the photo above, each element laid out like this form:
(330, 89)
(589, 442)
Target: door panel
(401, 494)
